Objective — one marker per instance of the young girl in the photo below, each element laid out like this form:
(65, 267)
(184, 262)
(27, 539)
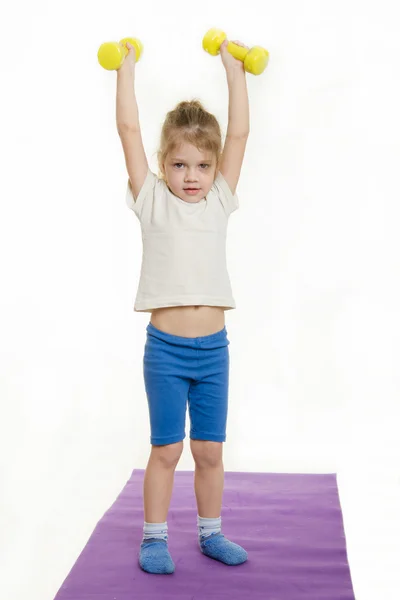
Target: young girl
(185, 286)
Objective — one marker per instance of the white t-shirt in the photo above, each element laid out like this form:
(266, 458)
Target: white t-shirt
(184, 246)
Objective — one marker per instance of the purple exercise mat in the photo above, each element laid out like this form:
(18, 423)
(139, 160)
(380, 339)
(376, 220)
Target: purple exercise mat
(290, 524)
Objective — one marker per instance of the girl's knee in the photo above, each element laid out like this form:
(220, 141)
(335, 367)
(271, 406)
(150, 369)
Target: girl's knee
(168, 455)
(206, 453)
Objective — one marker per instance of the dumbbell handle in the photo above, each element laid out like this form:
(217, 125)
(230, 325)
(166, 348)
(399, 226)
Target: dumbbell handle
(237, 51)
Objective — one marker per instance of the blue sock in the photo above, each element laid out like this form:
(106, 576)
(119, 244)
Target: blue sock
(154, 555)
(215, 545)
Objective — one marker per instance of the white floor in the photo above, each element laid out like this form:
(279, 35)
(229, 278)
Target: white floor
(35, 562)
(371, 506)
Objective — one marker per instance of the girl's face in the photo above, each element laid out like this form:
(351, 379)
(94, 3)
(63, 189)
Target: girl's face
(186, 168)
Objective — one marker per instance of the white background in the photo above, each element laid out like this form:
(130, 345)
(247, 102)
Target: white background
(313, 257)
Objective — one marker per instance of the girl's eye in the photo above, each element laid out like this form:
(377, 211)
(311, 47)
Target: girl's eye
(203, 164)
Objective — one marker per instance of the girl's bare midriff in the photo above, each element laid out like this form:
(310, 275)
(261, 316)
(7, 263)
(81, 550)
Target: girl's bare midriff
(189, 321)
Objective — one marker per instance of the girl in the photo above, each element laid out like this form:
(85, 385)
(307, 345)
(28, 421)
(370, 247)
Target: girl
(185, 286)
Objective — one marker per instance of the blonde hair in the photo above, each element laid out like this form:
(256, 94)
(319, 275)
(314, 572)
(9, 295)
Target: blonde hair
(189, 122)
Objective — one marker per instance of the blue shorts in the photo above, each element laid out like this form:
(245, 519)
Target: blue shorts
(178, 370)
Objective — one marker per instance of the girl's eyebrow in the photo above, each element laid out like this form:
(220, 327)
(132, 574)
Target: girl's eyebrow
(183, 160)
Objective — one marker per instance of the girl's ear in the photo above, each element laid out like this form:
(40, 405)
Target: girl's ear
(162, 170)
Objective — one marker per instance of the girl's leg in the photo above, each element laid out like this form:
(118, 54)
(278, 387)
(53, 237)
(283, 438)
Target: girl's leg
(208, 405)
(166, 384)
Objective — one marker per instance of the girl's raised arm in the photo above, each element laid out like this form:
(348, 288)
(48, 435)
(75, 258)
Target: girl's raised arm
(128, 127)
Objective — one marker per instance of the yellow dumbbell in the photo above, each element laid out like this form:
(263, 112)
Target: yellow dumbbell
(111, 55)
(255, 60)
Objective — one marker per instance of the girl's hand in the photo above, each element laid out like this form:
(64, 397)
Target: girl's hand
(130, 58)
(229, 61)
